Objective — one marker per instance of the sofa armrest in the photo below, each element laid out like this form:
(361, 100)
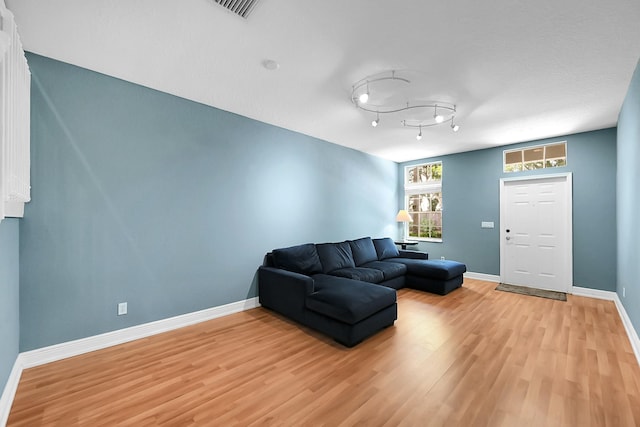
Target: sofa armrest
(283, 291)
(413, 254)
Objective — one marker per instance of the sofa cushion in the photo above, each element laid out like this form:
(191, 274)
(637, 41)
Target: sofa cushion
(335, 256)
(299, 259)
(346, 300)
(363, 251)
(390, 270)
(360, 273)
(385, 248)
(434, 269)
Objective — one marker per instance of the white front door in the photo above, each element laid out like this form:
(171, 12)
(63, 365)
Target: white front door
(536, 232)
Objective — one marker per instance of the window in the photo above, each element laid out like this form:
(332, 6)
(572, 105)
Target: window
(538, 157)
(423, 199)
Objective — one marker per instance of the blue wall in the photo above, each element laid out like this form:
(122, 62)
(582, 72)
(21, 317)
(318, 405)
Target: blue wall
(9, 297)
(629, 200)
(471, 194)
(168, 204)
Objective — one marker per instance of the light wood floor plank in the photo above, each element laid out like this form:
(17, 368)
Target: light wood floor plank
(476, 357)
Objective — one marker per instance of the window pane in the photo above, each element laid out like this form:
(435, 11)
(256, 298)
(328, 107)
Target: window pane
(555, 163)
(534, 154)
(513, 157)
(516, 167)
(411, 175)
(436, 172)
(533, 165)
(423, 173)
(556, 151)
(414, 203)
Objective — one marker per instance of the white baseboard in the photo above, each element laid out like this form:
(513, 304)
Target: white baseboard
(10, 388)
(482, 276)
(628, 326)
(626, 321)
(73, 348)
(593, 293)
(61, 351)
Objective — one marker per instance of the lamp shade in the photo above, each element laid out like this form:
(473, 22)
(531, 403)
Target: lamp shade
(403, 216)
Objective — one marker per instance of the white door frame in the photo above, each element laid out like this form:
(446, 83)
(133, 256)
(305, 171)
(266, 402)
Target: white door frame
(568, 224)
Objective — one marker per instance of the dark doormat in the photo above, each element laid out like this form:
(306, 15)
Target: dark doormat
(523, 290)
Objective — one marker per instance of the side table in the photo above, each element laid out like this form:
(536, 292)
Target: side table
(404, 243)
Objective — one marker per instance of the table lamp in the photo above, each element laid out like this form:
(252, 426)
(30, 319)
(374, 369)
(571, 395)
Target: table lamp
(404, 217)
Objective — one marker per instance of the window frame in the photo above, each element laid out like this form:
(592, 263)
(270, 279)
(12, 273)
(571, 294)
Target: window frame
(411, 189)
(544, 160)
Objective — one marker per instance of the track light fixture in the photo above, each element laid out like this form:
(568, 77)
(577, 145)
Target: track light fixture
(393, 93)
(454, 127)
(364, 97)
(437, 117)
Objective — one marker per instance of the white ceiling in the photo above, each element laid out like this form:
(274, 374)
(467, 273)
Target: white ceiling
(517, 70)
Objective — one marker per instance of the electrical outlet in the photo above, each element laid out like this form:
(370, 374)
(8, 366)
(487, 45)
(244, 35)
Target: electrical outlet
(442, 258)
(122, 308)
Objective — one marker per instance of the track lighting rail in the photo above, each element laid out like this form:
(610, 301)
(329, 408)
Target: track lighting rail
(368, 95)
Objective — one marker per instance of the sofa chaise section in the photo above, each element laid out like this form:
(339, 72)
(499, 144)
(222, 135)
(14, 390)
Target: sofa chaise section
(347, 310)
(435, 276)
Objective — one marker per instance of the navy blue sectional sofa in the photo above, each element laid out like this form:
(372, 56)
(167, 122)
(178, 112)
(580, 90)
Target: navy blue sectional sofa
(347, 290)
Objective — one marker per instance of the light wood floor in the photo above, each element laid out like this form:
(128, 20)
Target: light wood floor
(477, 357)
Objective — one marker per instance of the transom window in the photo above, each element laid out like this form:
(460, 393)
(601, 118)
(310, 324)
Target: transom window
(537, 157)
(423, 200)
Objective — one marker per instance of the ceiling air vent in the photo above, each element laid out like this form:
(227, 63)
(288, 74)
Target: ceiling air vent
(239, 7)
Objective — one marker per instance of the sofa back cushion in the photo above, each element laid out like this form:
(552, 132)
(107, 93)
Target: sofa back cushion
(385, 248)
(301, 259)
(334, 256)
(363, 251)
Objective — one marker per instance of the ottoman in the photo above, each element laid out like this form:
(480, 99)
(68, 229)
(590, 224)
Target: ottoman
(436, 276)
